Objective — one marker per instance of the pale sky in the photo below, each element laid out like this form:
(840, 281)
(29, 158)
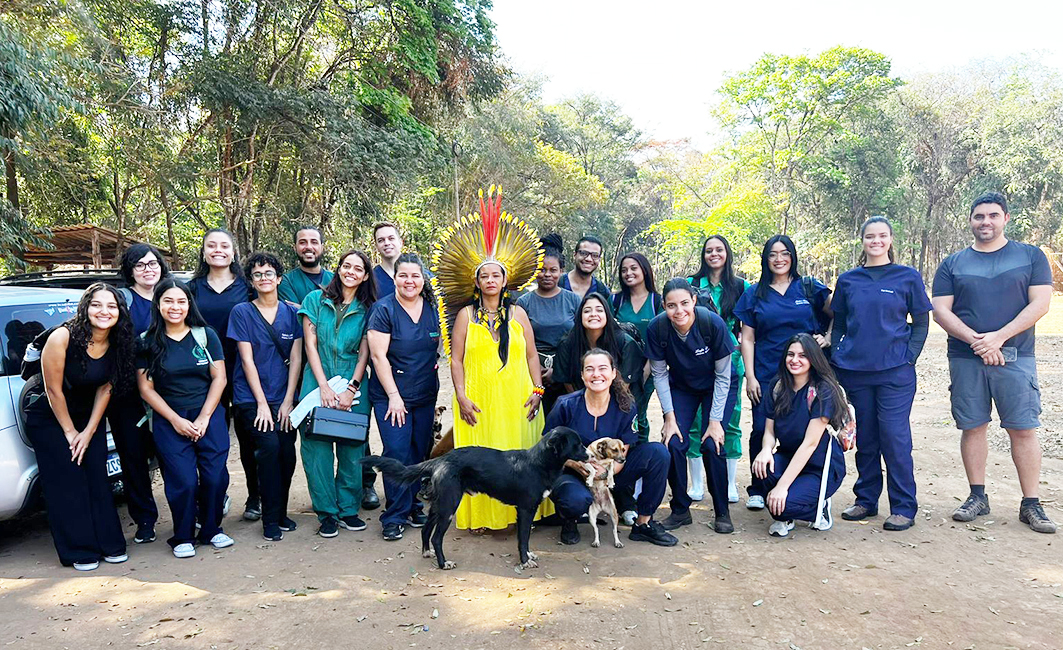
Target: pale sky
(663, 61)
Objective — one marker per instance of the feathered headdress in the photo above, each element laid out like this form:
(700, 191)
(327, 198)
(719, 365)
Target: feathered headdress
(489, 235)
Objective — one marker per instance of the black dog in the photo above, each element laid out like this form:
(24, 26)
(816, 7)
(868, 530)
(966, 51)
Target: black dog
(520, 478)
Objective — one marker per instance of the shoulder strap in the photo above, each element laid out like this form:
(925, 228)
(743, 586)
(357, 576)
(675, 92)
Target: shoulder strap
(200, 336)
(272, 332)
(127, 295)
(704, 320)
(662, 332)
(617, 299)
(808, 287)
(657, 306)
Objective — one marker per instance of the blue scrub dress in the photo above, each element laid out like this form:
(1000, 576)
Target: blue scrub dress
(802, 499)
(691, 379)
(645, 460)
(875, 367)
(774, 319)
(413, 356)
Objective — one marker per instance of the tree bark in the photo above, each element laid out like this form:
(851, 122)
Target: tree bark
(12, 179)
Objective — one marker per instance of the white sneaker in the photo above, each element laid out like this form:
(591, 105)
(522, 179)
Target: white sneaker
(86, 566)
(780, 528)
(629, 517)
(825, 520)
(184, 550)
(225, 505)
(755, 502)
(115, 559)
(696, 471)
(221, 540)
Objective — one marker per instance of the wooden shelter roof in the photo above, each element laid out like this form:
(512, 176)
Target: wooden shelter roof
(82, 245)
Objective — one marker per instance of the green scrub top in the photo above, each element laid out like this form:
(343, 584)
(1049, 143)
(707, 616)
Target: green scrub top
(715, 290)
(337, 346)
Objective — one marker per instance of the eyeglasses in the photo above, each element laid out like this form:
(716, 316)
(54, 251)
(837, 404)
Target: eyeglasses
(264, 275)
(593, 256)
(144, 266)
(779, 255)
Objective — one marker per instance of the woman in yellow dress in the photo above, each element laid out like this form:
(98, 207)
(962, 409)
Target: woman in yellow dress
(493, 361)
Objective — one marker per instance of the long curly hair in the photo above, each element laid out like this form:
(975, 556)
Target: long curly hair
(120, 338)
(154, 342)
(820, 375)
(619, 389)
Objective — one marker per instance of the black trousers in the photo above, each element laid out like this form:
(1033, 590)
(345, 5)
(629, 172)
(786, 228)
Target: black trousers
(275, 460)
(81, 513)
(135, 448)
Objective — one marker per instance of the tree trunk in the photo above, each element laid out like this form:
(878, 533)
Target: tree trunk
(171, 241)
(12, 179)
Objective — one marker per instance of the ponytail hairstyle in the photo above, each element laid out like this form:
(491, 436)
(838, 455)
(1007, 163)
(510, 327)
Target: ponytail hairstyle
(863, 229)
(618, 390)
(427, 294)
(364, 293)
(505, 306)
(731, 286)
(154, 338)
(820, 375)
(765, 267)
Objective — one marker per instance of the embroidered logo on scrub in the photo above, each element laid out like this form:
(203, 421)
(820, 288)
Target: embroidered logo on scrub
(200, 356)
(801, 301)
(886, 290)
(701, 351)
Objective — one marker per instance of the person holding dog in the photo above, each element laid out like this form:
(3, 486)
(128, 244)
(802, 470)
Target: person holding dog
(334, 335)
(493, 361)
(404, 344)
(606, 408)
(690, 348)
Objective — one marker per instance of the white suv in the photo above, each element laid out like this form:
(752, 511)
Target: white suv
(25, 312)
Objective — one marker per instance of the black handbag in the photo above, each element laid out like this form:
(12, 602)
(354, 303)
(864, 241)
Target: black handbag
(338, 425)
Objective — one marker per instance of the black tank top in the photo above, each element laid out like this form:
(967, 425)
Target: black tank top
(80, 383)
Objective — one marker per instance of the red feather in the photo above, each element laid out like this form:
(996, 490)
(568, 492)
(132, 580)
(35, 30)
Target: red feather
(489, 214)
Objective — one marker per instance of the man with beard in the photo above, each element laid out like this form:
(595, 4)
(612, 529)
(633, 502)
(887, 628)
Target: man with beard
(581, 278)
(309, 275)
(988, 298)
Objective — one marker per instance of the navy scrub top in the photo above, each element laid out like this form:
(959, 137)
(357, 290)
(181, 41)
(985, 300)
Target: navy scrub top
(777, 317)
(571, 411)
(246, 325)
(790, 428)
(691, 363)
(215, 308)
(139, 313)
(183, 379)
(412, 353)
(385, 284)
(875, 313)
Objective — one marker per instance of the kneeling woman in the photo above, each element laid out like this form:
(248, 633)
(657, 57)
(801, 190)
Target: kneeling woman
(606, 409)
(798, 478)
(181, 373)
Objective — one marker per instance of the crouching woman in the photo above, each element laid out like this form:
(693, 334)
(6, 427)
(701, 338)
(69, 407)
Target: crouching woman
(799, 477)
(606, 409)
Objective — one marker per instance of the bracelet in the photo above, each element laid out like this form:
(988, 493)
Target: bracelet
(538, 390)
(351, 387)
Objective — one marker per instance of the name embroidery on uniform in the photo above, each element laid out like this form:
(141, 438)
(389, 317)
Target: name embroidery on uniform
(801, 301)
(886, 290)
(701, 351)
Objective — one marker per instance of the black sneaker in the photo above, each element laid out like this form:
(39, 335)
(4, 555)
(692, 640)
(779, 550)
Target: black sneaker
(1033, 515)
(975, 506)
(723, 525)
(328, 528)
(673, 521)
(252, 510)
(569, 532)
(652, 532)
(352, 522)
(418, 519)
(393, 532)
(145, 534)
(288, 524)
(272, 533)
(370, 500)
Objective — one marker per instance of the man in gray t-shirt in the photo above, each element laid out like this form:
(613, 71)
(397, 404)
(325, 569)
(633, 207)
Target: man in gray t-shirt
(988, 298)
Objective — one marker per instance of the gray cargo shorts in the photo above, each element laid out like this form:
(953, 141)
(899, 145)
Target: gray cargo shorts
(1012, 387)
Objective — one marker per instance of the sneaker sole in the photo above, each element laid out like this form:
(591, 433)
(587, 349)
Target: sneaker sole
(354, 528)
(688, 522)
(184, 556)
(789, 526)
(116, 559)
(413, 525)
(753, 507)
(896, 528)
(137, 540)
(646, 538)
(1046, 530)
(328, 535)
(273, 539)
(81, 566)
(223, 544)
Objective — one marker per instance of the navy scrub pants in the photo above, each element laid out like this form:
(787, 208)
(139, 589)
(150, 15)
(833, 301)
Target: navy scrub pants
(81, 514)
(135, 449)
(756, 435)
(883, 403)
(686, 407)
(802, 499)
(274, 459)
(194, 474)
(646, 460)
(409, 444)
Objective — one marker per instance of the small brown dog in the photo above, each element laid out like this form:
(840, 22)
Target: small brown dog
(603, 452)
(444, 442)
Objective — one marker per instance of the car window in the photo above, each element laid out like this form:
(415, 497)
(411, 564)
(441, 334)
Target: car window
(20, 324)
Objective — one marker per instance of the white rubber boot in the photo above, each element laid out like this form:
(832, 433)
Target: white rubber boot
(732, 488)
(696, 471)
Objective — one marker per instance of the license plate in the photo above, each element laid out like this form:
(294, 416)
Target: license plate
(114, 466)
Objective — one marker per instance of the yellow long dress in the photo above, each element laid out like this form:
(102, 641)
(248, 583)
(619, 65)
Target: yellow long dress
(502, 423)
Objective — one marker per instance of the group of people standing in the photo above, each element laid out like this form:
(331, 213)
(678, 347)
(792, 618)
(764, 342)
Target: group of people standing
(171, 364)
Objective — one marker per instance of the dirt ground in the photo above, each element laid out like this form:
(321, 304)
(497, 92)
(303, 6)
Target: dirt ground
(939, 585)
